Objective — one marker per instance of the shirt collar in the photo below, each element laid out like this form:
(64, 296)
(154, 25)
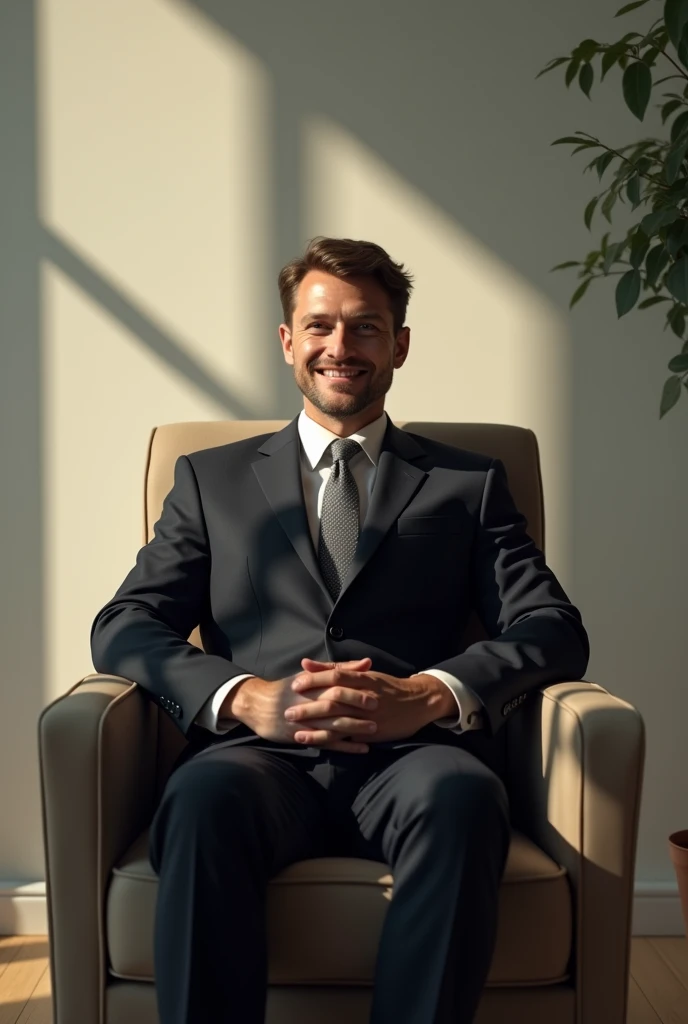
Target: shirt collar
(315, 438)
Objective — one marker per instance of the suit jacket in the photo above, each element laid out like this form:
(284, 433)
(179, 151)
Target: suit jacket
(232, 553)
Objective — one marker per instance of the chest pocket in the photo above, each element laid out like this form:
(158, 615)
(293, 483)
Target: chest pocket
(423, 526)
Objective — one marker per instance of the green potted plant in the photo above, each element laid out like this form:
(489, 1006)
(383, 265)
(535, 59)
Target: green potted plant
(651, 174)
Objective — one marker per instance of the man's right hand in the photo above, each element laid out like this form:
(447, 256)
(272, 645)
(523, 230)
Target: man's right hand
(260, 704)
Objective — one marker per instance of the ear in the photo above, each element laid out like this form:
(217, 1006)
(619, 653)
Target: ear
(401, 346)
(286, 342)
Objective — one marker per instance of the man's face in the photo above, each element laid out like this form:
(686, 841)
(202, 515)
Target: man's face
(343, 324)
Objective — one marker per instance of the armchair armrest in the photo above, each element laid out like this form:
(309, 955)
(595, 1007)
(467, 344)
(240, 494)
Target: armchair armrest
(575, 756)
(97, 757)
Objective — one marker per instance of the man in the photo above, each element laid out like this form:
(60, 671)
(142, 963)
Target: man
(332, 567)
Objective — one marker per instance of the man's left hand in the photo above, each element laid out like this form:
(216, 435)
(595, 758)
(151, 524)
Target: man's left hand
(405, 705)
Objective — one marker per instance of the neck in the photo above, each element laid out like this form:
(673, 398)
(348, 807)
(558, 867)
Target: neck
(346, 426)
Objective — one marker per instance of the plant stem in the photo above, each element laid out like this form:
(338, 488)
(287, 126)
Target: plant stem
(671, 59)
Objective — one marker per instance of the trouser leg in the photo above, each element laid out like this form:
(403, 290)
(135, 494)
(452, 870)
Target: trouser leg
(229, 819)
(440, 818)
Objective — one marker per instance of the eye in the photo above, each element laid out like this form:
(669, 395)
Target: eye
(370, 327)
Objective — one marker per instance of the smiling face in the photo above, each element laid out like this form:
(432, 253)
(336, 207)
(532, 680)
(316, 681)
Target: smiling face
(343, 324)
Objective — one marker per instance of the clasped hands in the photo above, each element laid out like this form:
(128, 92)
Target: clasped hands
(350, 706)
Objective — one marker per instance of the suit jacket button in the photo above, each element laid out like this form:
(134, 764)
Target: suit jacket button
(336, 632)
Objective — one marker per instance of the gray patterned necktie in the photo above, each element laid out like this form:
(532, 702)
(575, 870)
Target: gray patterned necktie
(339, 517)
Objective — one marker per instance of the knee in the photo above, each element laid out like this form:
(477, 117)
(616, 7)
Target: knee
(478, 796)
(204, 787)
(198, 796)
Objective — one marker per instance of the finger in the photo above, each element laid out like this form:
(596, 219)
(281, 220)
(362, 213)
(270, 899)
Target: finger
(333, 701)
(324, 737)
(339, 725)
(323, 677)
(311, 665)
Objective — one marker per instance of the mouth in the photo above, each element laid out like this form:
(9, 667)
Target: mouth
(345, 378)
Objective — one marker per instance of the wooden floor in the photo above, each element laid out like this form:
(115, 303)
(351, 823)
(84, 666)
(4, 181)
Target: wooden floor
(658, 992)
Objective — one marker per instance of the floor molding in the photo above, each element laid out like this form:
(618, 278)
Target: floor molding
(23, 909)
(656, 909)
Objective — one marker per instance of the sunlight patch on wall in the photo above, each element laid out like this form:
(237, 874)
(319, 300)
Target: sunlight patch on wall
(153, 153)
(102, 393)
(485, 345)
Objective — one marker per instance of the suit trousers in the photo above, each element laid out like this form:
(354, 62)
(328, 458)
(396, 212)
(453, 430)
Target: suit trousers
(231, 817)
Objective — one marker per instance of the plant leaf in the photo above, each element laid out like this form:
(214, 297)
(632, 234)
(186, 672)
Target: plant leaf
(612, 255)
(655, 262)
(677, 280)
(589, 210)
(675, 18)
(633, 189)
(652, 301)
(586, 77)
(674, 159)
(552, 65)
(650, 56)
(630, 7)
(627, 291)
(568, 263)
(652, 222)
(609, 58)
(603, 163)
(678, 125)
(677, 237)
(608, 203)
(586, 50)
(637, 86)
(682, 50)
(639, 246)
(669, 108)
(572, 70)
(679, 364)
(670, 395)
(676, 318)
(579, 292)
(566, 138)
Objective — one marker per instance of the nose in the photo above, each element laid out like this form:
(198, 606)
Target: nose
(339, 347)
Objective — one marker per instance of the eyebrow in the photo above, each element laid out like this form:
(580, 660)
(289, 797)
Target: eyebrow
(370, 315)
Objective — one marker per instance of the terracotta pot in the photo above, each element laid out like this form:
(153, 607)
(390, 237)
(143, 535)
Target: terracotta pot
(678, 848)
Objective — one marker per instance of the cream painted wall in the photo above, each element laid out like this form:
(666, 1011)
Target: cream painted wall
(166, 157)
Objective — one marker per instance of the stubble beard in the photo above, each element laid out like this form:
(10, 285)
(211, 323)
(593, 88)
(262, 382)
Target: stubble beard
(343, 402)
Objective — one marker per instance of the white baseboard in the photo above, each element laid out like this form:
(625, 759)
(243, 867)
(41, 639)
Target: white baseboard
(656, 909)
(23, 909)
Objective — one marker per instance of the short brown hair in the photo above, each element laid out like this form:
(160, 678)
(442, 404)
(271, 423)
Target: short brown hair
(345, 257)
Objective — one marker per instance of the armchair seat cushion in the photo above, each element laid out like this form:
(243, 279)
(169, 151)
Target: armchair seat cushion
(534, 938)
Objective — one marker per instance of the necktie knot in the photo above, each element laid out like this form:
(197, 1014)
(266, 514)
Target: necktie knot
(344, 448)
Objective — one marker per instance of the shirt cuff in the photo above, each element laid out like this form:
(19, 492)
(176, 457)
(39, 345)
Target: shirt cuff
(468, 704)
(207, 716)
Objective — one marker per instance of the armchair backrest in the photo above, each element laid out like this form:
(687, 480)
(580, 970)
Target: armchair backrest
(517, 447)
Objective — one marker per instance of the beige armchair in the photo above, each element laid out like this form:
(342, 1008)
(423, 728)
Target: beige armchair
(572, 759)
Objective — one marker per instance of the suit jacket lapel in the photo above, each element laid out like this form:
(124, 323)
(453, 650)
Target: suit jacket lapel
(396, 481)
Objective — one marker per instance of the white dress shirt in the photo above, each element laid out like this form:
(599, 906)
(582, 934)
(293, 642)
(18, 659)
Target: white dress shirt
(316, 466)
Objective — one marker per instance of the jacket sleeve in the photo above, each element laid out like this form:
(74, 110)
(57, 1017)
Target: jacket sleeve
(142, 632)
(536, 636)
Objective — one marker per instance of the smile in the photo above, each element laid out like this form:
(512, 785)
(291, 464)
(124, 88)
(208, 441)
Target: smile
(341, 376)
